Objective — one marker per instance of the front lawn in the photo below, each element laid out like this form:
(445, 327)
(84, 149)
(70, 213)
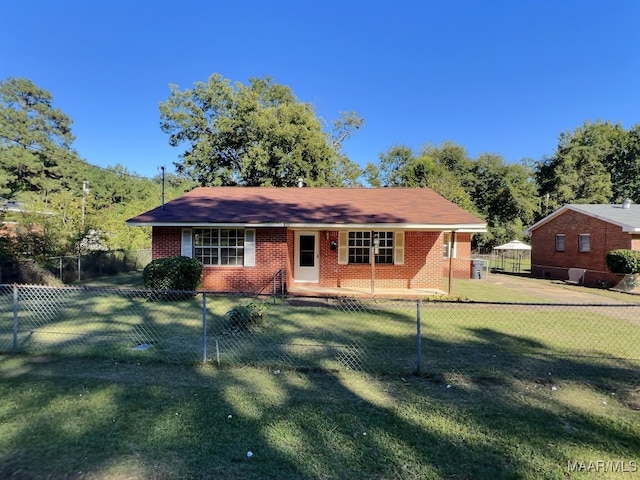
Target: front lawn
(96, 419)
(323, 389)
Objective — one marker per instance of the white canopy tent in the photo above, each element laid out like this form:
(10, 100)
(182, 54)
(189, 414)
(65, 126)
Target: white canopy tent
(515, 250)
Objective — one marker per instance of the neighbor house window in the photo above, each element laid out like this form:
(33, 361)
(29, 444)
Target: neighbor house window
(584, 242)
(360, 244)
(559, 243)
(219, 246)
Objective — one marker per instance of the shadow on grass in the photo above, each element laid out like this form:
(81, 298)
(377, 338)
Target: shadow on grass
(484, 407)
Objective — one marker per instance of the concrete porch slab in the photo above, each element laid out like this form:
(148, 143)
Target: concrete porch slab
(311, 290)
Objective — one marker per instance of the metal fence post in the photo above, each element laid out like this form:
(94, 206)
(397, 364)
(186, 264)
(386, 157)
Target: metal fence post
(204, 326)
(15, 318)
(418, 339)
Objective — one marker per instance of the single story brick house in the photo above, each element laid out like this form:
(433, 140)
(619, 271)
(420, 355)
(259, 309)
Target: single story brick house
(578, 236)
(246, 237)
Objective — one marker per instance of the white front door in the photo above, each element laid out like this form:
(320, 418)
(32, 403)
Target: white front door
(307, 266)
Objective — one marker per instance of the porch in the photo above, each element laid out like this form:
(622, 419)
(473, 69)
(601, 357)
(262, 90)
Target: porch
(310, 290)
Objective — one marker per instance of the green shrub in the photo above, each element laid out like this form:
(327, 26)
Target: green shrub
(173, 273)
(247, 316)
(623, 261)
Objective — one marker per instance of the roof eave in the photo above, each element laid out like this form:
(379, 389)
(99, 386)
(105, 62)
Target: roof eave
(625, 227)
(461, 228)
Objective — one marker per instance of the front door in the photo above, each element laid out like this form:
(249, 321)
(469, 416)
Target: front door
(307, 268)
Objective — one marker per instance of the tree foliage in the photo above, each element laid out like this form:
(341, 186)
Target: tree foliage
(623, 261)
(260, 134)
(596, 163)
(59, 198)
(503, 194)
(173, 273)
(255, 134)
(35, 137)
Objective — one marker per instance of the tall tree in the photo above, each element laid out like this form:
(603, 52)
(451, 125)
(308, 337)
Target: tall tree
(255, 134)
(506, 196)
(503, 194)
(623, 163)
(400, 167)
(453, 157)
(35, 137)
(390, 171)
(596, 163)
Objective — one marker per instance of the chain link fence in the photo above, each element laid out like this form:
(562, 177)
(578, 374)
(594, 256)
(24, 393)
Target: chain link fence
(447, 341)
(69, 269)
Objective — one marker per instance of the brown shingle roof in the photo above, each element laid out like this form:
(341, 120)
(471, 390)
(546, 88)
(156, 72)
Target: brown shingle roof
(310, 206)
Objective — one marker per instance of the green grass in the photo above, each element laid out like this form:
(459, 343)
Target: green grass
(504, 392)
(65, 418)
(131, 279)
(376, 337)
(496, 290)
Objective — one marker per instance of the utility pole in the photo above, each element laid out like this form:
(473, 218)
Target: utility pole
(85, 190)
(162, 208)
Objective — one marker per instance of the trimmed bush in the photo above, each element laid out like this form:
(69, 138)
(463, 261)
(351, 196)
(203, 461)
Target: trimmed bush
(247, 316)
(173, 273)
(623, 261)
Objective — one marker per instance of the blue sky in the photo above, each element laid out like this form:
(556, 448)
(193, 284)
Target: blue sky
(502, 76)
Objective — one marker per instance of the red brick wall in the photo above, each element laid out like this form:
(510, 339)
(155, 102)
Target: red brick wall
(165, 242)
(271, 255)
(424, 265)
(546, 262)
(462, 261)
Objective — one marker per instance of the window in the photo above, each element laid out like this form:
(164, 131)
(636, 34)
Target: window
(384, 252)
(584, 242)
(359, 244)
(447, 244)
(219, 246)
(359, 247)
(559, 243)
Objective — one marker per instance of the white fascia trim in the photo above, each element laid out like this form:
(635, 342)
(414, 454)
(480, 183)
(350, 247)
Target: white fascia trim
(203, 224)
(463, 228)
(467, 228)
(625, 227)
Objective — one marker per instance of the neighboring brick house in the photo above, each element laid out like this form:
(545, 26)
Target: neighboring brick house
(247, 236)
(579, 236)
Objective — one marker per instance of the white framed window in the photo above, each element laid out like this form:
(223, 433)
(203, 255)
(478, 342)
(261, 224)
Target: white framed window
(220, 246)
(359, 247)
(560, 242)
(584, 242)
(355, 247)
(384, 250)
(360, 243)
(447, 244)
